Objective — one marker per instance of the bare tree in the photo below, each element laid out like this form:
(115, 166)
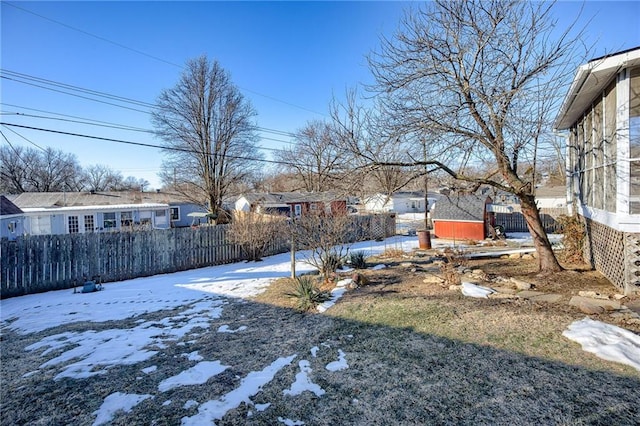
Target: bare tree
(207, 128)
(99, 177)
(30, 169)
(478, 80)
(315, 159)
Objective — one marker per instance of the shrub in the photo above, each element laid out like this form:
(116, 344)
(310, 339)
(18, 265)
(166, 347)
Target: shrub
(307, 293)
(454, 258)
(358, 260)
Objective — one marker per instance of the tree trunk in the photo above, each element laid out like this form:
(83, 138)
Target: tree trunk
(547, 262)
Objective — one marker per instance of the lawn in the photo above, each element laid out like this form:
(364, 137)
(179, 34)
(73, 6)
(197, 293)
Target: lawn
(221, 345)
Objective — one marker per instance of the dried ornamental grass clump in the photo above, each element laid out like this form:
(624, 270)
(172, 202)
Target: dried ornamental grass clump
(357, 260)
(573, 232)
(307, 294)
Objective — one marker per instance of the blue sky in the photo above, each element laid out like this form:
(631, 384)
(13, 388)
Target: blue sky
(288, 58)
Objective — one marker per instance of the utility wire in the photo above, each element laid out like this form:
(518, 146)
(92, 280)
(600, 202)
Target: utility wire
(152, 56)
(31, 142)
(147, 145)
(103, 94)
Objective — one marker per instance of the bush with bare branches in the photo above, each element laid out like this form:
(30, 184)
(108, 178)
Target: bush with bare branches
(255, 232)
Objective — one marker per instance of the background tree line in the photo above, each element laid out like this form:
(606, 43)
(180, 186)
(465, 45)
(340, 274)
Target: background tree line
(24, 169)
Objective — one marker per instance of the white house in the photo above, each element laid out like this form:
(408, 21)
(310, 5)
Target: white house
(602, 115)
(399, 202)
(80, 212)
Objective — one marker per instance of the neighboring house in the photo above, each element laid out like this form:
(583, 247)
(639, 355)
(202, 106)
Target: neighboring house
(11, 219)
(79, 212)
(399, 202)
(551, 197)
(461, 217)
(288, 203)
(601, 111)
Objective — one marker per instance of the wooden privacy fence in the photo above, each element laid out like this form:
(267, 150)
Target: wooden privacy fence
(515, 222)
(34, 264)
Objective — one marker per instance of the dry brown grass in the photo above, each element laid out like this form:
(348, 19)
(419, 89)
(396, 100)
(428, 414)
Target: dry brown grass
(417, 353)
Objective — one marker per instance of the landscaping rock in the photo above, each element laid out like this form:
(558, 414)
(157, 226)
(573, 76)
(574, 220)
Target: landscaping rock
(432, 279)
(521, 285)
(527, 256)
(619, 296)
(547, 298)
(514, 256)
(593, 295)
(608, 305)
(528, 294)
(455, 287)
(590, 308)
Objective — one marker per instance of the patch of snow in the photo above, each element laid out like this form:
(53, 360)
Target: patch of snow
(107, 348)
(167, 403)
(473, 290)
(314, 351)
(249, 386)
(150, 369)
(225, 329)
(115, 402)
(190, 403)
(303, 382)
(340, 364)
(196, 375)
(336, 294)
(193, 356)
(262, 407)
(289, 422)
(378, 267)
(606, 341)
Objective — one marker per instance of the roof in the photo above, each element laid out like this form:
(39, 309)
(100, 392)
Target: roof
(79, 199)
(105, 207)
(551, 192)
(275, 198)
(590, 80)
(7, 207)
(467, 208)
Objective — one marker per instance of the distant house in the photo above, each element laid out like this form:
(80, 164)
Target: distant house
(551, 197)
(399, 202)
(461, 217)
(80, 212)
(288, 203)
(601, 112)
(11, 219)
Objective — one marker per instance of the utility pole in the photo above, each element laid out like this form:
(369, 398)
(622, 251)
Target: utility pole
(293, 245)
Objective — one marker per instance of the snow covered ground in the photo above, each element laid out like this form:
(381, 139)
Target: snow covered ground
(197, 298)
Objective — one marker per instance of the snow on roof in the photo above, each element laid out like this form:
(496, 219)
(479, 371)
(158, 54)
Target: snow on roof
(120, 207)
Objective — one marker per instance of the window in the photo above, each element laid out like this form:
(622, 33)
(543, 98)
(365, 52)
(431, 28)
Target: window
(297, 210)
(161, 217)
(109, 220)
(126, 219)
(89, 223)
(174, 212)
(12, 226)
(74, 227)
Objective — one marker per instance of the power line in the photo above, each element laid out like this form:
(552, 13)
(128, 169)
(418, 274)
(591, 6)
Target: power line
(146, 145)
(31, 142)
(132, 129)
(152, 56)
(107, 123)
(106, 95)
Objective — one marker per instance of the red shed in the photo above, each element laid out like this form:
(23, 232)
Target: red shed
(461, 217)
